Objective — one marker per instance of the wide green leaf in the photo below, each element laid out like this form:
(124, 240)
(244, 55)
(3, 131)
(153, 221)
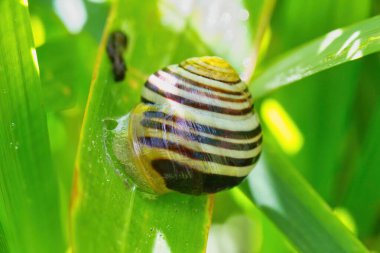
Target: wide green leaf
(109, 215)
(336, 47)
(297, 210)
(29, 200)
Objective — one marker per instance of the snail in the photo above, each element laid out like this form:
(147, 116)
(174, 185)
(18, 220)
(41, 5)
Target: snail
(194, 132)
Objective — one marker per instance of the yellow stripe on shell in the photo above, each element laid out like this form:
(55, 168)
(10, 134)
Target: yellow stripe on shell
(238, 87)
(212, 67)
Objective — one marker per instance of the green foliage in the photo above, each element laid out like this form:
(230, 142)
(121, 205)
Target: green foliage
(293, 200)
(129, 217)
(29, 210)
(297, 210)
(337, 47)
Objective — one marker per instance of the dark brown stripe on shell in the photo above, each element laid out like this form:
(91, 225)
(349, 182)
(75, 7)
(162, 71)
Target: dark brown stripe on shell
(206, 94)
(199, 138)
(241, 135)
(195, 83)
(195, 155)
(183, 178)
(146, 101)
(195, 104)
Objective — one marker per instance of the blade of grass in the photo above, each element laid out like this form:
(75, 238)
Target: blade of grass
(365, 180)
(259, 21)
(273, 240)
(66, 64)
(29, 209)
(296, 209)
(336, 47)
(107, 214)
(330, 94)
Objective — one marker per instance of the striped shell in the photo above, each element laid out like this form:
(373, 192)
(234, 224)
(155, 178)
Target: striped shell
(195, 131)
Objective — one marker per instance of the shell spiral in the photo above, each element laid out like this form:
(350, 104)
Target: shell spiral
(195, 131)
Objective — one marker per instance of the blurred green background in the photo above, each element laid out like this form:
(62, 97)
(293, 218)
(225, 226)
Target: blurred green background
(326, 127)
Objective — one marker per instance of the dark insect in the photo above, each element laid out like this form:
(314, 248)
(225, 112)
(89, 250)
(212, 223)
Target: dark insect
(117, 44)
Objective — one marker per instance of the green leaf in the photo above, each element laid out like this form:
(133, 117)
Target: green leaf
(337, 47)
(260, 13)
(322, 105)
(109, 215)
(364, 181)
(296, 209)
(29, 200)
(66, 64)
(267, 237)
(66, 60)
(65, 79)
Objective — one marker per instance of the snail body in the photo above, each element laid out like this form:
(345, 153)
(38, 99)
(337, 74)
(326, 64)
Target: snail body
(195, 130)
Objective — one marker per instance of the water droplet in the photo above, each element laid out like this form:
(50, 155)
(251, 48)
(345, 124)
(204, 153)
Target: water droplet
(110, 124)
(13, 125)
(243, 15)
(16, 146)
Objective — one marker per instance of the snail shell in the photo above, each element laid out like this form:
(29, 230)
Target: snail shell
(194, 132)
